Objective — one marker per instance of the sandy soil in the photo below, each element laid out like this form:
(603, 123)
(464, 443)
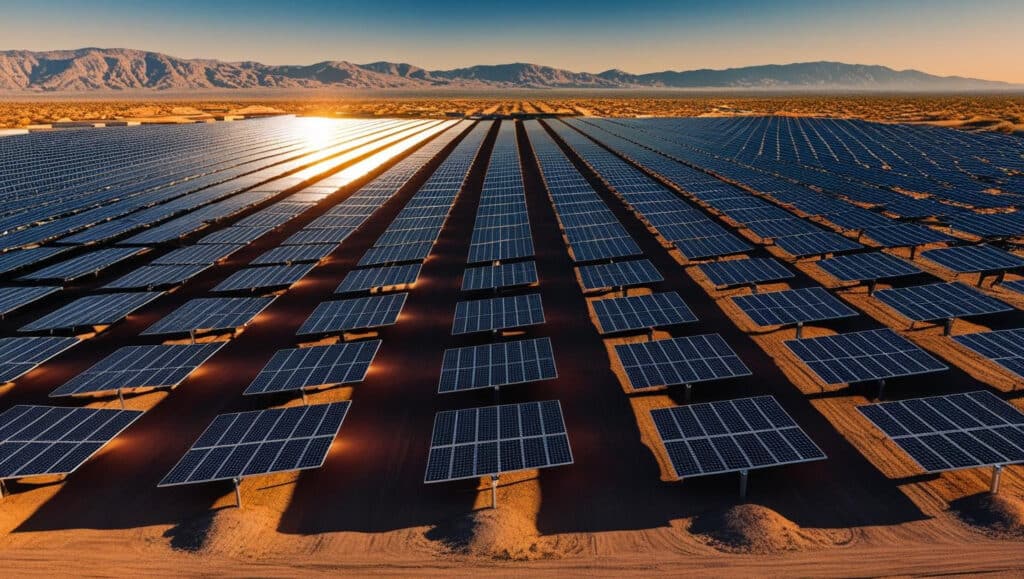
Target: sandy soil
(616, 511)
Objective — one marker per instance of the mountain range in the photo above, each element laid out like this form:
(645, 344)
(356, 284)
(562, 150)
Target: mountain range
(101, 69)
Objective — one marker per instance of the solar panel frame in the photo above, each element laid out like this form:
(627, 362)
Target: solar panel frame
(505, 275)
(1004, 347)
(156, 276)
(288, 254)
(260, 442)
(735, 272)
(14, 298)
(140, 367)
(869, 266)
(379, 278)
(496, 365)
(52, 440)
(974, 258)
(732, 436)
(619, 274)
(495, 440)
(264, 277)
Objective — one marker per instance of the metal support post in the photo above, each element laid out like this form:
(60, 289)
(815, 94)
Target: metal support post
(687, 392)
(799, 330)
(881, 388)
(997, 473)
(238, 492)
(744, 475)
(494, 491)
(948, 327)
(120, 397)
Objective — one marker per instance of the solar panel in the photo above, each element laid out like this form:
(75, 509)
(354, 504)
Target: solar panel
(494, 365)
(867, 266)
(1015, 286)
(396, 254)
(497, 313)
(379, 278)
(354, 314)
(85, 264)
(264, 277)
(156, 276)
(235, 235)
(642, 312)
(618, 274)
(244, 444)
(210, 314)
(974, 258)
(820, 243)
(328, 236)
(685, 360)
(133, 367)
(939, 301)
(197, 254)
(744, 271)
(862, 356)
(711, 246)
(795, 306)
(953, 431)
(300, 368)
(95, 310)
(50, 440)
(15, 260)
(732, 436)
(13, 298)
(1004, 347)
(491, 440)
(18, 356)
(905, 235)
(499, 276)
(294, 254)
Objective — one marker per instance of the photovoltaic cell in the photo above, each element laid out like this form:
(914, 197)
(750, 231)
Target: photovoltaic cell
(287, 254)
(244, 444)
(499, 276)
(203, 314)
(492, 440)
(354, 314)
(618, 274)
(379, 278)
(264, 277)
(731, 436)
(156, 276)
(95, 310)
(497, 313)
(744, 271)
(867, 266)
(974, 258)
(1004, 347)
(13, 298)
(197, 254)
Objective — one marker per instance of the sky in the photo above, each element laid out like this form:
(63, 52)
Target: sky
(980, 38)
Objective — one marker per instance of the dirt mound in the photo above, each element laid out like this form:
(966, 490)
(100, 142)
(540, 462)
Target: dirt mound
(506, 534)
(755, 529)
(997, 515)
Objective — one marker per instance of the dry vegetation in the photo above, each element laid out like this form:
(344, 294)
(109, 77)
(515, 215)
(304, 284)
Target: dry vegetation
(1003, 113)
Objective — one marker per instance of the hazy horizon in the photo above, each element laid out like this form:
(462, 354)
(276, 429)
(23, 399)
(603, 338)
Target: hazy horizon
(940, 37)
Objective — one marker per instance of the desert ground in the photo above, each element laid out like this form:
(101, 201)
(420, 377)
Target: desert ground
(866, 511)
(992, 112)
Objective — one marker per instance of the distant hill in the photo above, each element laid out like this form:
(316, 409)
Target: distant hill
(92, 69)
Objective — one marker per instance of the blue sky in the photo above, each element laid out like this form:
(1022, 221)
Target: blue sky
(981, 38)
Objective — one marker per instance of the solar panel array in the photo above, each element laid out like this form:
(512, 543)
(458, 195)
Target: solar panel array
(205, 314)
(14, 298)
(501, 230)
(867, 266)
(642, 312)
(260, 442)
(85, 264)
(94, 310)
(954, 431)
(264, 277)
(974, 258)
(492, 440)
(490, 277)
(618, 274)
(157, 276)
(862, 356)
(18, 356)
(495, 314)
(299, 368)
(133, 367)
(731, 436)
(735, 272)
(494, 365)
(940, 301)
(375, 278)
(354, 314)
(591, 230)
(1004, 347)
(685, 360)
(793, 307)
(49, 440)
